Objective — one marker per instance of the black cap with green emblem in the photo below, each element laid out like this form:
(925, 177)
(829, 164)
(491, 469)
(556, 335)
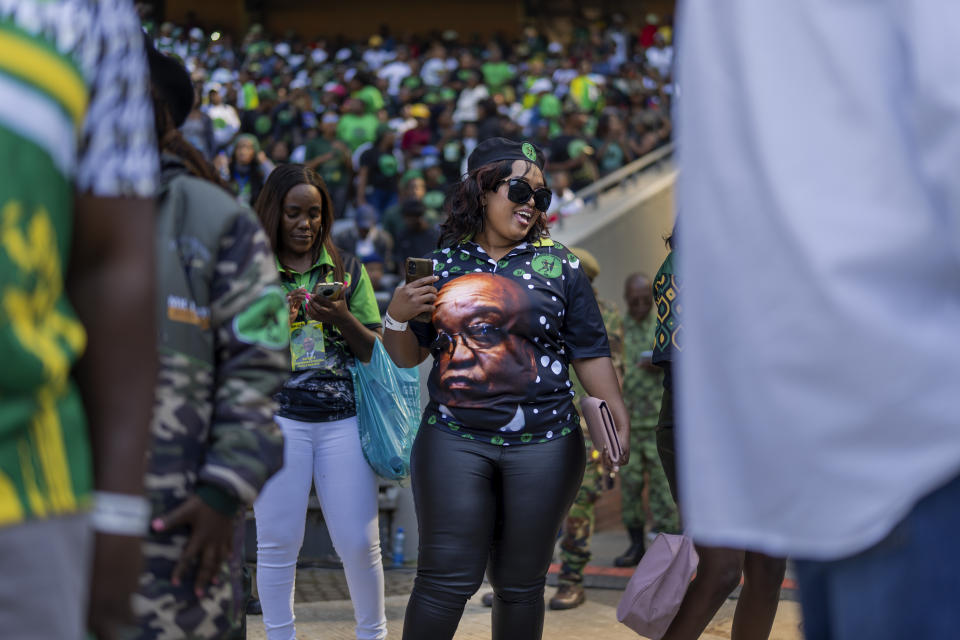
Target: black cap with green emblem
(496, 149)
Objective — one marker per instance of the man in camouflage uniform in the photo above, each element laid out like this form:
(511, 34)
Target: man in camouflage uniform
(642, 391)
(578, 526)
(223, 343)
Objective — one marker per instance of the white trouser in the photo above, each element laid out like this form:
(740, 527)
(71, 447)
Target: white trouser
(329, 455)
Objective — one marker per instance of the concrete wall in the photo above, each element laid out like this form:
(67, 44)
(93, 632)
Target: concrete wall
(626, 235)
(355, 20)
(228, 15)
(411, 16)
(312, 18)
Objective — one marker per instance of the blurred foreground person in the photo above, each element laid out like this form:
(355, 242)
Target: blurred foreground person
(223, 354)
(499, 455)
(643, 391)
(720, 569)
(76, 204)
(821, 233)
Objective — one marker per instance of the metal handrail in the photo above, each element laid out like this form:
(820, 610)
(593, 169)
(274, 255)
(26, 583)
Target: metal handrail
(620, 177)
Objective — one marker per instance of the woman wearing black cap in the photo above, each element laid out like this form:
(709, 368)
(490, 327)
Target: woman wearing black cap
(499, 455)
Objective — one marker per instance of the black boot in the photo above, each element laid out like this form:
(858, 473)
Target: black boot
(632, 556)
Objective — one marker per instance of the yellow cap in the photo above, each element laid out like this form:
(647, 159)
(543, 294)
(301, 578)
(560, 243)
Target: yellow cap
(419, 110)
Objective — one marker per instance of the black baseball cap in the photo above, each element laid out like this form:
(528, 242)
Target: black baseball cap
(496, 149)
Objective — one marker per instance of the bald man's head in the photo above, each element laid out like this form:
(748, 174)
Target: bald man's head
(638, 293)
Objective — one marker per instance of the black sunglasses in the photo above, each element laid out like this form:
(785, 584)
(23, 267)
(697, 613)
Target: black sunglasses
(519, 191)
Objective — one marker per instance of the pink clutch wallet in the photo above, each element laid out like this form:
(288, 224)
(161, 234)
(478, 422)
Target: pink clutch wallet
(603, 430)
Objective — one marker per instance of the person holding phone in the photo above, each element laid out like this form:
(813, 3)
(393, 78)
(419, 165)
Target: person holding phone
(500, 454)
(333, 312)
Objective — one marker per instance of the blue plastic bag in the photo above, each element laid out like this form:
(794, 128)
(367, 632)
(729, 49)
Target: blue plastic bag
(388, 410)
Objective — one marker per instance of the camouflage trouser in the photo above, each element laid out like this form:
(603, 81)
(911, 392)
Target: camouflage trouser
(578, 526)
(164, 611)
(645, 466)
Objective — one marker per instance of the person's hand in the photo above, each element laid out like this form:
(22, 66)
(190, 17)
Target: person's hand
(623, 433)
(614, 465)
(294, 301)
(210, 543)
(221, 163)
(412, 299)
(116, 573)
(323, 309)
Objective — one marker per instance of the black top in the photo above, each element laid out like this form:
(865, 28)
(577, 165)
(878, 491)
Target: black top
(502, 337)
(413, 244)
(383, 168)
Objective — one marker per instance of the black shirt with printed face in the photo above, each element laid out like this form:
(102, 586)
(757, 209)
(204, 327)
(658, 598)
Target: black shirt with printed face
(502, 336)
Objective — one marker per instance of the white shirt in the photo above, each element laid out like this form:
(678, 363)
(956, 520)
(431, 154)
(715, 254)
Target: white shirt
(562, 77)
(395, 73)
(226, 122)
(376, 58)
(819, 246)
(467, 103)
(433, 71)
(661, 59)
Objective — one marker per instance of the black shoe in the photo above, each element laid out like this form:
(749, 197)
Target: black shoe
(631, 557)
(487, 599)
(254, 608)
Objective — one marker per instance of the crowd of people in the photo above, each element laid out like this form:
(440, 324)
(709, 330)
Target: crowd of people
(179, 325)
(199, 258)
(389, 122)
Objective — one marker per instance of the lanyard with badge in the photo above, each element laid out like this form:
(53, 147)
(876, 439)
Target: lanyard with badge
(307, 350)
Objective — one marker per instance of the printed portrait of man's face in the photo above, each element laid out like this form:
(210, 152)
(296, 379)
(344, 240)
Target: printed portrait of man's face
(477, 317)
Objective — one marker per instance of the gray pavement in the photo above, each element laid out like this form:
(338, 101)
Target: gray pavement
(333, 620)
(324, 612)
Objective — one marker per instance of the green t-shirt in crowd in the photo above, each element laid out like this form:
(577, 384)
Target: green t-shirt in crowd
(355, 130)
(496, 74)
(371, 97)
(333, 171)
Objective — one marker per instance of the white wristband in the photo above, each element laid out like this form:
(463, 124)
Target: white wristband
(120, 514)
(392, 324)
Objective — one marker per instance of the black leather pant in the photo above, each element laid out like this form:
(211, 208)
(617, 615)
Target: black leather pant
(482, 506)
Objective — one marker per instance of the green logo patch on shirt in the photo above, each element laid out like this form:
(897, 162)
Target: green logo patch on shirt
(547, 265)
(388, 165)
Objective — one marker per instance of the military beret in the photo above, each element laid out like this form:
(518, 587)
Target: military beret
(496, 149)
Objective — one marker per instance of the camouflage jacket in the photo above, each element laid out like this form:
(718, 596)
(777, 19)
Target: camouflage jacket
(642, 388)
(223, 342)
